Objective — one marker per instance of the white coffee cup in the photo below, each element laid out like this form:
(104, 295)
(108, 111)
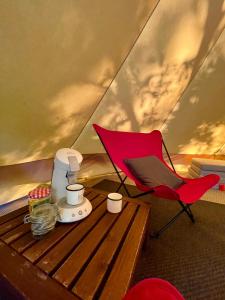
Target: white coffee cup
(114, 202)
(74, 193)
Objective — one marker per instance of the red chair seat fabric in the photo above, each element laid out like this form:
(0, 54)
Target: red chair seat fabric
(189, 192)
(195, 188)
(153, 289)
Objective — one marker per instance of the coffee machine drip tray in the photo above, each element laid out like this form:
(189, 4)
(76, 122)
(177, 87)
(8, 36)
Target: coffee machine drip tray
(70, 213)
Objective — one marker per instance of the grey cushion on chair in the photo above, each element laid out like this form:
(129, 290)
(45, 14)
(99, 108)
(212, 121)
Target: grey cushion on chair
(152, 172)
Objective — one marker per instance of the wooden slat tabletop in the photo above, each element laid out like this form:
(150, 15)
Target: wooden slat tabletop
(90, 259)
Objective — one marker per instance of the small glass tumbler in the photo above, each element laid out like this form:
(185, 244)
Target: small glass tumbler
(43, 219)
(114, 203)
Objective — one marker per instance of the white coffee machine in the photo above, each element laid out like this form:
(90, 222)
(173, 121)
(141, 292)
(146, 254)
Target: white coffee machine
(66, 167)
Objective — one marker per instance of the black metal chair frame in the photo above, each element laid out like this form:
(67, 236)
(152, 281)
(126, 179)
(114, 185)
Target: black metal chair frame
(185, 208)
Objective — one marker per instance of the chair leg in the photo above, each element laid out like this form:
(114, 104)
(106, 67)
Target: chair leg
(121, 184)
(126, 190)
(157, 234)
(188, 211)
(128, 193)
(122, 180)
(184, 209)
(191, 214)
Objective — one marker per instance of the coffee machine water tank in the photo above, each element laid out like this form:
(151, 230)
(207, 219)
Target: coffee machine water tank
(66, 167)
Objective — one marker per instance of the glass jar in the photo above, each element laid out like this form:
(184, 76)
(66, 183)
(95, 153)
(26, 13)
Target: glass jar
(42, 218)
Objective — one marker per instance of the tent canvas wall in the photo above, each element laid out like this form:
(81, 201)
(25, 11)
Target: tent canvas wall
(127, 65)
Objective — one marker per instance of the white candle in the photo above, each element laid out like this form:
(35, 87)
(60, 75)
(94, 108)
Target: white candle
(114, 202)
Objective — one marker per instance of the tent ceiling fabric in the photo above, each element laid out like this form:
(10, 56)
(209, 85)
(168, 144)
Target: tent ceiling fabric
(68, 64)
(57, 60)
(161, 85)
(201, 110)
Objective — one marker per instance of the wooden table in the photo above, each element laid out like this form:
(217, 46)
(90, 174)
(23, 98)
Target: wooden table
(90, 259)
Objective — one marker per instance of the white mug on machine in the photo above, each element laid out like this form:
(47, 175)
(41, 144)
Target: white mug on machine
(74, 193)
(114, 202)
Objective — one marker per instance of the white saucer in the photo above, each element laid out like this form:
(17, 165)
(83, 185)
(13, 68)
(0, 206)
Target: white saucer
(71, 213)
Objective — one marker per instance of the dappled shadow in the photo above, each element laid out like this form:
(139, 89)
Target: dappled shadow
(198, 126)
(57, 59)
(164, 60)
(213, 25)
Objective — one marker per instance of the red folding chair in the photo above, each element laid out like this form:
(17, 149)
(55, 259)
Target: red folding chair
(121, 145)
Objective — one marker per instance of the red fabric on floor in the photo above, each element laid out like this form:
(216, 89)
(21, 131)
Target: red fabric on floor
(153, 289)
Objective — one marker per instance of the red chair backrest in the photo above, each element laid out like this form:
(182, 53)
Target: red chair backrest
(122, 145)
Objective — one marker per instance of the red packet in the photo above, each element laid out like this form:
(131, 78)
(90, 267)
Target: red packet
(222, 187)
